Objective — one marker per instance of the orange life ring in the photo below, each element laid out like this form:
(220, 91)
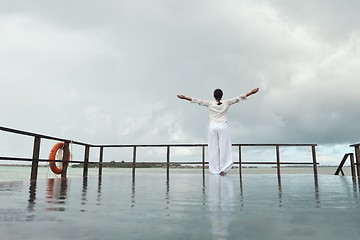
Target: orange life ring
(52, 157)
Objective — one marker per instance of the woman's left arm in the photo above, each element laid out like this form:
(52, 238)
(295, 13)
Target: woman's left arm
(255, 90)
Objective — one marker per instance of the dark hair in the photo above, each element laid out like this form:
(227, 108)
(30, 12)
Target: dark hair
(218, 93)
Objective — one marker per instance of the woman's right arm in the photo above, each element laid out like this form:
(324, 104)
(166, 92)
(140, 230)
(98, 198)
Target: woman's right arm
(184, 97)
(195, 100)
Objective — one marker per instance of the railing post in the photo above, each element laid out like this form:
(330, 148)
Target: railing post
(313, 151)
(240, 170)
(278, 160)
(65, 160)
(357, 157)
(86, 161)
(203, 159)
(134, 160)
(352, 165)
(35, 158)
(167, 159)
(101, 160)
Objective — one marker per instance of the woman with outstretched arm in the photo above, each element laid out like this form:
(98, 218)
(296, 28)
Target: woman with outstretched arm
(219, 142)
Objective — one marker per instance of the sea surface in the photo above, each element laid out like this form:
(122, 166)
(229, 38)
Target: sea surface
(182, 205)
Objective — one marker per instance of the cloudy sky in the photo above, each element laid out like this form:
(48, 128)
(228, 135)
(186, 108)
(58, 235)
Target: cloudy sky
(107, 72)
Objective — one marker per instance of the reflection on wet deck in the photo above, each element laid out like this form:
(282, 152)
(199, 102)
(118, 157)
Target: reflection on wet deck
(160, 206)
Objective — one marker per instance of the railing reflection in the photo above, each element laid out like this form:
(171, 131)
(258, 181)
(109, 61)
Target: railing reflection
(98, 198)
(32, 200)
(84, 193)
(215, 192)
(56, 193)
(133, 190)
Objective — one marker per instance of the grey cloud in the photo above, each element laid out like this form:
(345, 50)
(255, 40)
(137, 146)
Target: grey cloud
(109, 71)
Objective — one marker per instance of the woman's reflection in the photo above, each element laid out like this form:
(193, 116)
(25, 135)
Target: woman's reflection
(220, 202)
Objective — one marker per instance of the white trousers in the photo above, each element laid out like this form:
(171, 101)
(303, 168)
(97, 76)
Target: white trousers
(219, 148)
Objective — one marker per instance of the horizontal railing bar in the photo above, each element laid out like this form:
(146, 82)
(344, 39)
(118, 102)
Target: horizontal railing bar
(47, 160)
(151, 145)
(262, 163)
(274, 144)
(149, 163)
(275, 163)
(201, 145)
(30, 160)
(143, 145)
(355, 145)
(40, 135)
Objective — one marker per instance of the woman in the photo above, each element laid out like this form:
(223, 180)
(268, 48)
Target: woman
(219, 143)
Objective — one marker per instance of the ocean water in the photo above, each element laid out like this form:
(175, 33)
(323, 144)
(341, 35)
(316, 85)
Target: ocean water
(181, 205)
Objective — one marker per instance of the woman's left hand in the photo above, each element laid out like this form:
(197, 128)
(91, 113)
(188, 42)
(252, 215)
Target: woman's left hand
(255, 90)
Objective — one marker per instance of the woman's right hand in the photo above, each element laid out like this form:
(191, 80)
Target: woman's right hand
(181, 96)
(184, 97)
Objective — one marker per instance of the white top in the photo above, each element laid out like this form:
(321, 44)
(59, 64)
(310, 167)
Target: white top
(218, 113)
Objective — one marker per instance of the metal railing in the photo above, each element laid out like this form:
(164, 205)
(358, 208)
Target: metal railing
(38, 137)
